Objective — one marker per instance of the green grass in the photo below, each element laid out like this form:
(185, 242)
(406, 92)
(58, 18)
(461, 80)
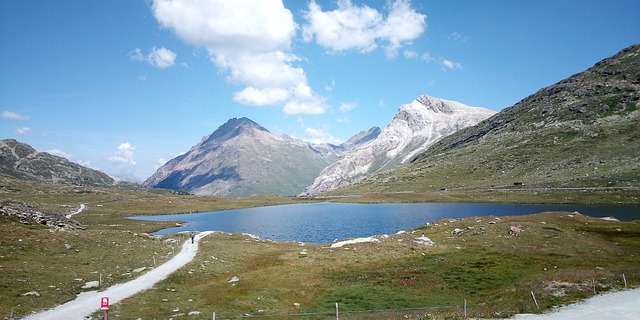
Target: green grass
(392, 279)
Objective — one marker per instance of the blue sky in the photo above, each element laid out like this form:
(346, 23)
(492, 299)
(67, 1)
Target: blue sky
(124, 85)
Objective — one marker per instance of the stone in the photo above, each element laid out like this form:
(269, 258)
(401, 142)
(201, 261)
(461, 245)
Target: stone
(139, 270)
(91, 284)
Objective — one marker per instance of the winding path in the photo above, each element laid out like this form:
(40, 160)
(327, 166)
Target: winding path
(89, 302)
(82, 206)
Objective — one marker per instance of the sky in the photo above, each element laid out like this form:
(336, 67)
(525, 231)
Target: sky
(125, 85)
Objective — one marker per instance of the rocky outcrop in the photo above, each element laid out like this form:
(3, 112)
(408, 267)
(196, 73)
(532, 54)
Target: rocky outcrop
(27, 214)
(21, 161)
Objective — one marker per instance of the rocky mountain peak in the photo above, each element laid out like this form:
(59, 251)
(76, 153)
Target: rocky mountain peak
(361, 138)
(435, 104)
(232, 128)
(414, 128)
(241, 158)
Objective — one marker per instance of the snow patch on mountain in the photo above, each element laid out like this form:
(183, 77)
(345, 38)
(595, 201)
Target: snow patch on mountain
(414, 128)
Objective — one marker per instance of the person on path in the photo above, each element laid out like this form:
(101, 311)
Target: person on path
(193, 236)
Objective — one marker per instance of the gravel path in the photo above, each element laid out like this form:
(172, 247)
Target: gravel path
(89, 302)
(620, 305)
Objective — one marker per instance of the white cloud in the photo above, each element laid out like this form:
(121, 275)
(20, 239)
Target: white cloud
(251, 41)
(161, 57)
(260, 97)
(445, 64)
(59, 153)
(343, 120)
(457, 36)
(450, 65)
(410, 54)
(304, 101)
(158, 57)
(14, 116)
(159, 163)
(346, 107)
(426, 57)
(24, 131)
(361, 28)
(319, 136)
(124, 154)
(136, 55)
(86, 164)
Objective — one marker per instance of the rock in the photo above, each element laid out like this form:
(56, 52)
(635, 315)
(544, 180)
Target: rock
(194, 313)
(68, 246)
(139, 270)
(234, 280)
(27, 214)
(425, 241)
(91, 284)
(514, 231)
(354, 241)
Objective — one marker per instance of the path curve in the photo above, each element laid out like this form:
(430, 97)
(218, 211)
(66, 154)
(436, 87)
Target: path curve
(82, 206)
(88, 302)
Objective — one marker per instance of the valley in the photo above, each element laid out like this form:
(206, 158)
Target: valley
(573, 142)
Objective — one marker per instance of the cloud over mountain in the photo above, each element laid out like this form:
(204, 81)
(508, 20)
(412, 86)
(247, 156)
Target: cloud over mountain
(251, 41)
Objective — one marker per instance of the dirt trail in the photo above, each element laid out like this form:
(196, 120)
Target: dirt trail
(88, 302)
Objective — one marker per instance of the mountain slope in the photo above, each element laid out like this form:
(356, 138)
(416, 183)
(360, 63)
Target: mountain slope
(582, 131)
(242, 158)
(415, 127)
(21, 161)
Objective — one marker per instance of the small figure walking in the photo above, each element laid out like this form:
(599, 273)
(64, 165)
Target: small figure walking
(193, 236)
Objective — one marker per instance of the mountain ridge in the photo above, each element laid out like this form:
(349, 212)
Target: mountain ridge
(22, 161)
(242, 158)
(412, 130)
(581, 131)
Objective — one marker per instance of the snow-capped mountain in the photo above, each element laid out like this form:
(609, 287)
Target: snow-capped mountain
(415, 127)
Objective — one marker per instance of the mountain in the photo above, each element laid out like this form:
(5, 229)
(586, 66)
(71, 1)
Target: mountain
(21, 161)
(581, 131)
(242, 158)
(361, 138)
(414, 128)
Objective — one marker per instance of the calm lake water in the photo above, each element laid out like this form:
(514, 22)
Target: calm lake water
(325, 222)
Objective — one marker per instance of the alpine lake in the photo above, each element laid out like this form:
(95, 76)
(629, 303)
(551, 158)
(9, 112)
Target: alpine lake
(326, 222)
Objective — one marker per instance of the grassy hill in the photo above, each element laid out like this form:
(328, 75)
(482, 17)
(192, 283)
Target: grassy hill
(581, 132)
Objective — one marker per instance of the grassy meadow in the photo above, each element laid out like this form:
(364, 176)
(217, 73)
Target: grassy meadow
(561, 257)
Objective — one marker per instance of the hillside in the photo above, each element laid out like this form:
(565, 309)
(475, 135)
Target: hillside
(241, 158)
(581, 131)
(21, 161)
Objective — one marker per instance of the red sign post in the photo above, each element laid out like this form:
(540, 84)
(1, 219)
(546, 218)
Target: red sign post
(104, 305)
